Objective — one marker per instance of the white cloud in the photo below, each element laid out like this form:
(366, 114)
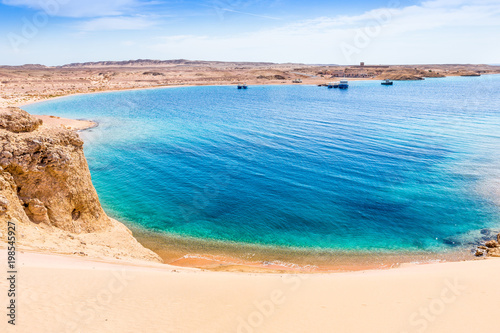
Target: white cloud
(435, 31)
(117, 23)
(79, 8)
(412, 18)
(450, 3)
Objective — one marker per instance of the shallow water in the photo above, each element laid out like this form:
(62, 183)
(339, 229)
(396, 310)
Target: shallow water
(408, 167)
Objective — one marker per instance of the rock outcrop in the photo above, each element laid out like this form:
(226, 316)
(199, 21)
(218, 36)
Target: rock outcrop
(493, 247)
(490, 249)
(45, 186)
(49, 174)
(16, 120)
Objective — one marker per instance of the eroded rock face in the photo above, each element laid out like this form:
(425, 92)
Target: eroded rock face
(16, 120)
(44, 177)
(4, 203)
(46, 191)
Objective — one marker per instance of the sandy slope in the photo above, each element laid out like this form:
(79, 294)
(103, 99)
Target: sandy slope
(65, 294)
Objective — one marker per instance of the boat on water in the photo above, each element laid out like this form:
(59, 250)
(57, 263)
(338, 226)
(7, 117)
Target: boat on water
(242, 86)
(387, 83)
(343, 84)
(333, 85)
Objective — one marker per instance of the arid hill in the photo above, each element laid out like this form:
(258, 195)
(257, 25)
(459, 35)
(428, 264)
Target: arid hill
(162, 63)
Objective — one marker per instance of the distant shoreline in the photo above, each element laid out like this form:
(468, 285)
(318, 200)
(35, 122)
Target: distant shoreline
(306, 82)
(174, 86)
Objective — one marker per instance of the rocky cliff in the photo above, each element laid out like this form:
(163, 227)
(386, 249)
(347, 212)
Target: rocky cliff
(46, 188)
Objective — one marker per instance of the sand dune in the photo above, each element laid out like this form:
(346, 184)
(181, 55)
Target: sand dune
(66, 294)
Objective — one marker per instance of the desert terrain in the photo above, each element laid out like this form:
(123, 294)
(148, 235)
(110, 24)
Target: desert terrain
(30, 83)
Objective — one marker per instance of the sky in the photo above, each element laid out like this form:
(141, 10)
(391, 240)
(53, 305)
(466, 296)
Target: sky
(56, 32)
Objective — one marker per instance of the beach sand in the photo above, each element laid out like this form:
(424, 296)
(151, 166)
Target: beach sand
(71, 124)
(67, 294)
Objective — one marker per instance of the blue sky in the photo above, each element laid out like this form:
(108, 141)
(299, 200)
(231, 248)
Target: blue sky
(54, 32)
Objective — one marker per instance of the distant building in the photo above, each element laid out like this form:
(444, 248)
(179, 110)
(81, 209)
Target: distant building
(362, 64)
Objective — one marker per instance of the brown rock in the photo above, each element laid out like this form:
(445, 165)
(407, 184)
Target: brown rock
(50, 173)
(479, 253)
(46, 190)
(491, 244)
(17, 120)
(36, 211)
(494, 252)
(3, 204)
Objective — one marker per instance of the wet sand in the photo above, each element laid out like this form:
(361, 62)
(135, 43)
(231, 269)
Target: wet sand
(228, 256)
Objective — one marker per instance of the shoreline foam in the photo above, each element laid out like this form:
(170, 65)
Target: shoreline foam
(242, 257)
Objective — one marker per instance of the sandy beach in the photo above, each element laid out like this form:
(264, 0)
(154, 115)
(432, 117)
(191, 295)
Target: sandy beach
(64, 294)
(71, 124)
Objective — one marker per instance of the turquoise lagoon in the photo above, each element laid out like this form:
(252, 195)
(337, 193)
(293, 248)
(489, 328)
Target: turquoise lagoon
(413, 167)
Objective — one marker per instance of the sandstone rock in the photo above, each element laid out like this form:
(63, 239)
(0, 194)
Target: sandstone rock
(36, 211)
(47, 192)
(498, 238)
(479, 253)
(50, 174)
(6, 154)
(491, 244)
(494, 252)
(17, 120)
(3, 204)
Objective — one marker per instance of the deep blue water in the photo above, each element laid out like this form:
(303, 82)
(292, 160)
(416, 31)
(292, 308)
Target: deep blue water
(406, 167)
